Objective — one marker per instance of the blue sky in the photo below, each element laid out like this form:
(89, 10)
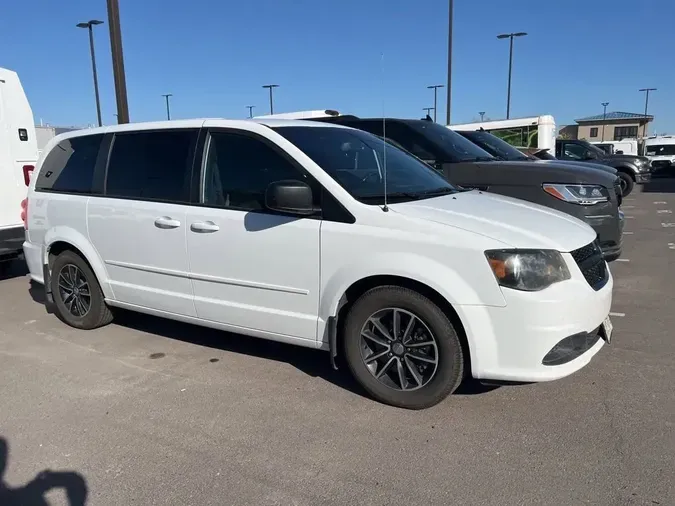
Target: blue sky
(215, 55)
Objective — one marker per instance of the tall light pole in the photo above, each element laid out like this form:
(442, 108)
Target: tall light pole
(271, 87)
(250, 110)
(482, 115)
(449, 87)
(508, 91)
(428, 110)
(646, 90)
(604, 115)
(89, 25)
(168, 110)
(435, 88)
(118, 61)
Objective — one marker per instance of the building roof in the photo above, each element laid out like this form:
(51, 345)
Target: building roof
(614, 116)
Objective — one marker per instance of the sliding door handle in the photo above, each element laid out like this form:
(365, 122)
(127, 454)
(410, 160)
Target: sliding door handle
(166, 222)
(204, 227)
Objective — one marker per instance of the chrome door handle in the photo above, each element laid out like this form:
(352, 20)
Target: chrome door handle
(166, 222)
(204, 227)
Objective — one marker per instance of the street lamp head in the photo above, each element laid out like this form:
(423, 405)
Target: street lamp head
(504, 36)
(648, 89)
(270, 85)
(82, 25)
(95, 22)
(89, 23)
(508, 35)
(520, 34)
(604, 104)
(435, 86)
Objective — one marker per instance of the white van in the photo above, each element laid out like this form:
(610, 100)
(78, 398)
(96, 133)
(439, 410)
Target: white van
(661, 152)
(285, 230)
(18, 156)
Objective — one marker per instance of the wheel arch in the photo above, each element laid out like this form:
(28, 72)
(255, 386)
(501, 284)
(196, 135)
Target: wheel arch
(59, 240)
(361, 286)
(626, 169)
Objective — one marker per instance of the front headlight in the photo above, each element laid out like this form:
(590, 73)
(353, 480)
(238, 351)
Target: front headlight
(582, 194)
(527, 270)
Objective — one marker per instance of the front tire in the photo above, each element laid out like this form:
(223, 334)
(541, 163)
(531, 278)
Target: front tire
(78, 299)
(402, 348)
(627, 183)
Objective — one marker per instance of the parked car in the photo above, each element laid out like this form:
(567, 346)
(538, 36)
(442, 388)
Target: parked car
(18, 156)
(632, 169)
(586, 193)
(502, 150)
(285, 230)
(661, 152)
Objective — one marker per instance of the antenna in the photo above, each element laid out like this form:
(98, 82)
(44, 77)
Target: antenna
(384, 136)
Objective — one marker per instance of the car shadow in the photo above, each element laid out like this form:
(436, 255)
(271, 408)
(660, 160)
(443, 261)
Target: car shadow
(658, 185)
(33, 493)
(11, 269)
(314, 363)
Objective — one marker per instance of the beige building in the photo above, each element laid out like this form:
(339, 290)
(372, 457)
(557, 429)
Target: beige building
(612, 126)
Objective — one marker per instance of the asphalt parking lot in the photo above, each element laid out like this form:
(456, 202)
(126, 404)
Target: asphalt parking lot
(148, 411)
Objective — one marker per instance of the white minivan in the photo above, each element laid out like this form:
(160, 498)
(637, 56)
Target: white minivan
(321, 236)
(18, 156)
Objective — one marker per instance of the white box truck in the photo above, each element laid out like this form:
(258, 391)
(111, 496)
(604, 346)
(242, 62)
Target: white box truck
(18, 157)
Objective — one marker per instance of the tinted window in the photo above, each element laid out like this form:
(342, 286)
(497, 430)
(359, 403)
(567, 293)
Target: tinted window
(69, 167)
(594, 132)
(494, 145)
(575, 151)
(152, 165)
(625, 132)
(356, 160)
(239, 168)
(457, 147)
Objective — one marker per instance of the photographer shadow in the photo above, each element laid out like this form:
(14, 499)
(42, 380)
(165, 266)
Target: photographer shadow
(33, 493)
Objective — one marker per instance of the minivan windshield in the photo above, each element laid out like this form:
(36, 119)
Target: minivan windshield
(460, 148)
(495, 146)
(356, 160)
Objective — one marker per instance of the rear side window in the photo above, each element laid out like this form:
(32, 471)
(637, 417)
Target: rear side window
(152, 165)
(69, 167)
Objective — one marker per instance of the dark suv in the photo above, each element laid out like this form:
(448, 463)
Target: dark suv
(632, 169)
(586, 193)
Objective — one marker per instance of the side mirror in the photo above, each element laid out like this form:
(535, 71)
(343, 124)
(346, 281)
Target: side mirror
(590, 155)
(289, 196)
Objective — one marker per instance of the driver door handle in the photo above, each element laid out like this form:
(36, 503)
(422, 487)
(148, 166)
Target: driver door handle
(166, 222)
(204, 227)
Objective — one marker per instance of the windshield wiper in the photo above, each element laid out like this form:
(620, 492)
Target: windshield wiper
(393, 195)
(444, 190)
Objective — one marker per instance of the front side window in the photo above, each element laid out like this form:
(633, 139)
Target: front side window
(154, 165)
(69, 167)
(356, 160)
(239, 168)
(575, 151)
(594, 132)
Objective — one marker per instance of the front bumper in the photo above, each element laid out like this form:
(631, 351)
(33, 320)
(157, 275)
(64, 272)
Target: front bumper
(510, 343)
(643, 177)
(609, 228)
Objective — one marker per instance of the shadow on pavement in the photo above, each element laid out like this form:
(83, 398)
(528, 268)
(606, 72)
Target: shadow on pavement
(13, 269)
(657, 185)
(314, 363)
(33, 493)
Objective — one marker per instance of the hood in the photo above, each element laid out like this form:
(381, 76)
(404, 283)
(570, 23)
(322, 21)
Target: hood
(626, 158)
(551, 171)
(513, 222)
(605, 168)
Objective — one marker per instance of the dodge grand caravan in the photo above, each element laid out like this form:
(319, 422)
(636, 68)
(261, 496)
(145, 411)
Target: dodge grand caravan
(286, 230)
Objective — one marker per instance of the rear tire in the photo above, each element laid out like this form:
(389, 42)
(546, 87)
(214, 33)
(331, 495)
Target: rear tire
(412, 374)
(627, 183)
(78, 299)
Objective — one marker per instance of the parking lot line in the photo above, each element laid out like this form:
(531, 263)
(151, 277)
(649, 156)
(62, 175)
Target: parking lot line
(664, 211)
(628, 233)
(619, 315)
(622, 260)
(627, 207)
(629, 217)
(668, 225)
(660, 202)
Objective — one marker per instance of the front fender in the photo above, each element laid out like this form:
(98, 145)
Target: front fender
(79, 241)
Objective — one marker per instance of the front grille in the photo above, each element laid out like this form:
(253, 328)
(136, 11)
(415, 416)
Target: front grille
(618, 191)
(592, 265)
(660, 164)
